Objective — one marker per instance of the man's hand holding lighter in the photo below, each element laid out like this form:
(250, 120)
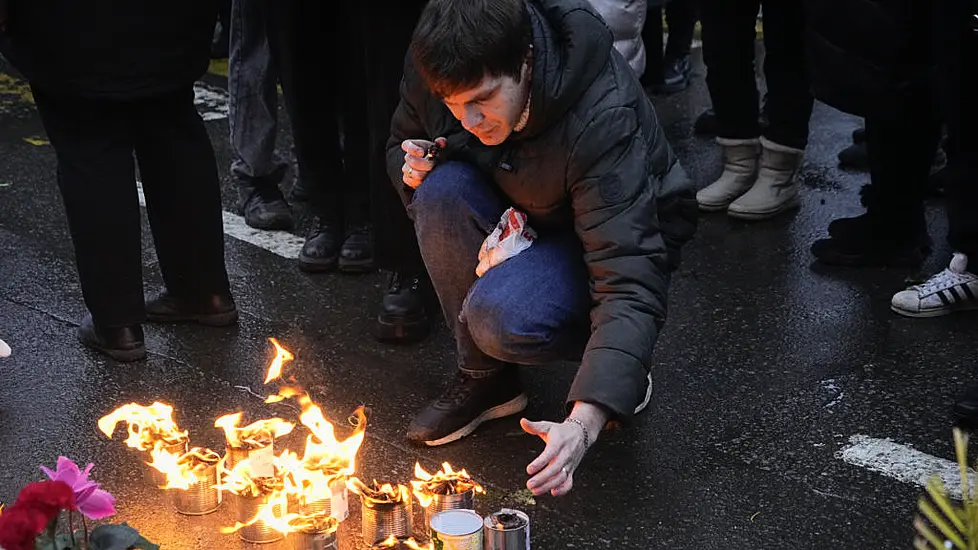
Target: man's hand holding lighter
(417, 160)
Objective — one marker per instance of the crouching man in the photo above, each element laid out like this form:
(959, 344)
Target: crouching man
(531, 107)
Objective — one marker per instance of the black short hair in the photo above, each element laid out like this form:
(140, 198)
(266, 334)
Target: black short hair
(458, 42)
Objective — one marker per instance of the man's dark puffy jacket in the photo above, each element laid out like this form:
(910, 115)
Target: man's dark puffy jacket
(109, 49)
(867, 56)
(593, 158)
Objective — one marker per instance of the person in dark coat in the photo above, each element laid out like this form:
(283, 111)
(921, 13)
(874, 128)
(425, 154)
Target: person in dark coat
(875, 59)
(111, 79)
(533, 109)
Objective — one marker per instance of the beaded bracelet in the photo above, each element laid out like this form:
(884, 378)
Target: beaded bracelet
(587, 437)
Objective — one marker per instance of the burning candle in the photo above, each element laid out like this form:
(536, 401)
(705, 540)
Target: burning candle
(259, 504)
(386, 510)
(316, 532)
(253, 442)
(150, 429)
(445, 490)
(507, 530)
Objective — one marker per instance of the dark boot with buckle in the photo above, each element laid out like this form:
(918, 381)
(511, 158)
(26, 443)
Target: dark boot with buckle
(125, 344)
(357, 252)
(321, 252)
(467, 403)
(403, 318)
(217, 310)
(263, 206)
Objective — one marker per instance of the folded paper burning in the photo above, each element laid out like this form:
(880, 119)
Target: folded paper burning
(511, 236)
(385, 510)
(190, 478)
(150, 429)
(444, 490)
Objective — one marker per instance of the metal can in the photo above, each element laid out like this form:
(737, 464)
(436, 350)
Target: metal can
(457, 501)
(201, 498)
(157, 478)
(507, 530)
(337, 505)
(380, 520)
(457, 530)
(313, 540)
(245, 509)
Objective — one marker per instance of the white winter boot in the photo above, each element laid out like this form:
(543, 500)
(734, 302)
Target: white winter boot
(740, 157)
(775, 190)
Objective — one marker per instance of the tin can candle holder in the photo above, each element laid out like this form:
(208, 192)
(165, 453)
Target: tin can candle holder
(441, 503)
(200, 498)
(261, 459)
(336, 505)
(246, 507)
(381, 520)
(157, 478)
(507, 530)
(457, 530)
(314, 539)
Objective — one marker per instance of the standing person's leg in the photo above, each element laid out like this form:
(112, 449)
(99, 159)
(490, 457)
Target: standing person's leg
(729, 34)
(405, 308)
(454, 209)
(357, 251)
(654, 44)
(96, 176)
(220, 47)
(789, 108)
(253, 120)
(681, 18)
(183, 203)
(297, 39)
(955, 288)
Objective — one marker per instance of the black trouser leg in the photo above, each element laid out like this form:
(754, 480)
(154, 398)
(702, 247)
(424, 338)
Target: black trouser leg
(957, 54)
(729, 34)
(789, 98)
(96, 175)
(183, 194)
(652, 38)
(681, 17)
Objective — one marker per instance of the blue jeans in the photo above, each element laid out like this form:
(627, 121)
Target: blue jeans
(531, 309)
(252, 98)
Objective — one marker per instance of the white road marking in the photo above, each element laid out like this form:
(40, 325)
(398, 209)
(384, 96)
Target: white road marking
(904, 463)
(211, 101)
(281, 243)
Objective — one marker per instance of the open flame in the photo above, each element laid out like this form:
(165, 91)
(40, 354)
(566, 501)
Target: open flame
(392, 541)
(182, 471)
(255, 435)
(325, 464)
(447, 481)
(149, 427)
(377, 493)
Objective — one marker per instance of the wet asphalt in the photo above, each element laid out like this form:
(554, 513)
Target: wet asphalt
(767, 366)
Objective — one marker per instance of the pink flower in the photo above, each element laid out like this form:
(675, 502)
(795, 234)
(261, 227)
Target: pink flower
(90, 500)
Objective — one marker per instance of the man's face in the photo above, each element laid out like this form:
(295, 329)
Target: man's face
(491, 109)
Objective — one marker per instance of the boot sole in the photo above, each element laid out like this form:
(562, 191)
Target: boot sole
(317, 266)
(402, 330)
(209, 320)
(713, 207)
(509, 408)
(757, 216)
(359, 266)
(123, 356)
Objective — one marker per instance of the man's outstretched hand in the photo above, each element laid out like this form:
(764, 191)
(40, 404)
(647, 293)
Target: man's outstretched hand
(553, 470)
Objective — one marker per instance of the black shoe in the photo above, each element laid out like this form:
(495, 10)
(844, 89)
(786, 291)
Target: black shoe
(357, 252)
(855, 242)
(264, 207)
(854, 157)
(216, 311)
(706, 124)
(403, 318)
(859, 135)
(300, 191)
(125, 344)
(675, 77)
(465, 404)
(966, 407)
(321, 252)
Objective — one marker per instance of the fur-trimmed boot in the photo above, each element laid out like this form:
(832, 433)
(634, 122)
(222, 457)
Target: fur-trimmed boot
(775, 190)
(740, 158)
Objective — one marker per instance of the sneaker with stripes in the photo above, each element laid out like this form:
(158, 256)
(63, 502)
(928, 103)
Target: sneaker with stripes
(951, 290)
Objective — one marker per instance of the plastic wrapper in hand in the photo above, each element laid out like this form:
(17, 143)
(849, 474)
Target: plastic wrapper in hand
(4, 349)
(511, 236)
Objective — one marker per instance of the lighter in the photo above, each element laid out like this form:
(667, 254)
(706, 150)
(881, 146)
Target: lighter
(432, 152)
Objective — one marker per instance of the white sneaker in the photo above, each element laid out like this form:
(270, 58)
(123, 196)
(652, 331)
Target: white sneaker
(951, 290)
(648, 396)
(4, 349)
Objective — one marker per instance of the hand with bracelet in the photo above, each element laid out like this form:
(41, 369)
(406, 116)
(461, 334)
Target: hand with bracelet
(567, 442)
